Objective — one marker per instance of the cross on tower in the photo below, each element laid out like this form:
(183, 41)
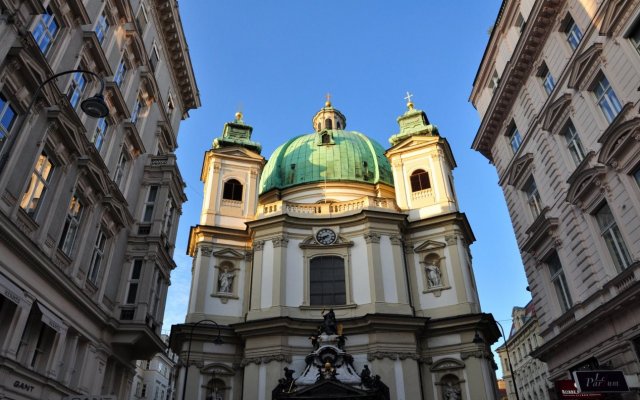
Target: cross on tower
(408, 98)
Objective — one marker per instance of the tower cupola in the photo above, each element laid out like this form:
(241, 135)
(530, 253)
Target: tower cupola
(329, 118)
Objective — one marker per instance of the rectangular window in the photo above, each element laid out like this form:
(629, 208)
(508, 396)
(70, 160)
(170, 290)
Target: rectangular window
(150, 204)
(168, 217)
(120, 169)
(97, 256)
(134, 280)
(7, 118)
(71, 225)
(77, 87)
(170, 105)
(547, 79)
(102, 27)
(121, 72)
(141, 19)
(137, 108)
(573, 143)
(38, 185)
(533, 197)
(101, 133)
(327, 281)
(495, 80)
(46, 30)
(154, 59)
(573, 33)
(612, 237)
(520, 23)
(559, 282)
(155, 296)
(514, 138)
(607, 99)
(43, 348)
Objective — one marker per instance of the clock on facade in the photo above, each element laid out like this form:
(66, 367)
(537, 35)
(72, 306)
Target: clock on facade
(326, 236)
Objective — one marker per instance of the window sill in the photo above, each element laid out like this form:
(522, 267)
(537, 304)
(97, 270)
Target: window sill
(339, 307)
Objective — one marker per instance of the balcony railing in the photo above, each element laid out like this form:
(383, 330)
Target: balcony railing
(326, 209)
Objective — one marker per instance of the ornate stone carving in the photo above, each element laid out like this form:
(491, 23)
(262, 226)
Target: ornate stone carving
(451, 239)
(258, 245)
(280, 241)
(206, 251)
(372, 237)
(379, 355)
(396, 240)
(266, 360)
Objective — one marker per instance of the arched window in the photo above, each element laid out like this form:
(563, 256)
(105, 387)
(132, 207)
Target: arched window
(319, 126)
(338, 125)
(326, 139)
(420, 180)
(232, 190)
(327, 285)
(328, 124)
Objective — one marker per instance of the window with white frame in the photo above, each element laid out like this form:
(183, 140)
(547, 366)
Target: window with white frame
(121, 71)
(515, 140)
(97, 256)
(134, 280)
(38, 185)
(533, 197)
(101, 132)
(572, 32)
(137, 108)
(36, 343)
(559, 281)
(45, 30)
(573, 143)
(606, 98)
(71, 225)
(121, 168)
(547, 79)
(141, 19)
(154, 58)
(419, 180)
(327, 281)
(102, 26)
(77, 87)
(232, 190)
(169, 213)
(149, 204)
(7, 118)
(612, 237)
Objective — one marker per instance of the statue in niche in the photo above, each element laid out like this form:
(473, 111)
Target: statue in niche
(329, 325)
(225, 281)
(434, 276)
(451, 392)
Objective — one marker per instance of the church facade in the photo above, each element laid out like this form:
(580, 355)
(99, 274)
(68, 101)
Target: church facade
(333, 227)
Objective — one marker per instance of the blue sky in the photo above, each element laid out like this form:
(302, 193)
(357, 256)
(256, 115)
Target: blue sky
(276, 59)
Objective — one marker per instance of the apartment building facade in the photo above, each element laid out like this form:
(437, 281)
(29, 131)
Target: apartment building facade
(89, 207)
(557, 93)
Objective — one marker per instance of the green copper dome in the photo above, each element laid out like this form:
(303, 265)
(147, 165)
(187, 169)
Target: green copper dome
(326, 155)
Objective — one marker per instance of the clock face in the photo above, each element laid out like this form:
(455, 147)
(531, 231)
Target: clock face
(326, 236)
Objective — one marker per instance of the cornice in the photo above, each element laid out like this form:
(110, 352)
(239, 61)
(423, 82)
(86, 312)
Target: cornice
(515, 74)
(171, 28)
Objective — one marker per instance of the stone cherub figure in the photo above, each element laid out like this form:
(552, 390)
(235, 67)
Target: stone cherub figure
(451, 392)
(329, 325)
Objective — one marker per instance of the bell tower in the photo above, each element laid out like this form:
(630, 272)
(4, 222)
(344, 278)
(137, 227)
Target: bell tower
(422, 165)
(218, 244)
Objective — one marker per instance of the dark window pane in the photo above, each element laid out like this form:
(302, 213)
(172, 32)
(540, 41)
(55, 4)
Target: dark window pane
(327, 285)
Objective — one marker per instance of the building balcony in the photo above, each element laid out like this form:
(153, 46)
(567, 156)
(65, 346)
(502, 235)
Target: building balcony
(325, 210)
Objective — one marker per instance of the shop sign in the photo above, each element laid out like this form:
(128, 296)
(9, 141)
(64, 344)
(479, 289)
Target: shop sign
(600, 381)
(567, 390)
(89, 397)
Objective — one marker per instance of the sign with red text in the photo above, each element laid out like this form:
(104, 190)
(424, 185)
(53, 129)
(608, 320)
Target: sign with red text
(567, 390)
(600, 381)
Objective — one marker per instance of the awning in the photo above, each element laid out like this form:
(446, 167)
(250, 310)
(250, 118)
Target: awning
(11, 291)
(49, 318)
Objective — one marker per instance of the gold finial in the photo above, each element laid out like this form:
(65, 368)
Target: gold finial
(328, 102)
(409, 102)
(239, 116)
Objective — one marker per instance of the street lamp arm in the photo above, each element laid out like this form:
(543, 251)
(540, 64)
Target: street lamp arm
(217, 340)
(506, 347)
(6, 149)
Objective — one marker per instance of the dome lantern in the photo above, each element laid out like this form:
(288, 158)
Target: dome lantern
(329, 118)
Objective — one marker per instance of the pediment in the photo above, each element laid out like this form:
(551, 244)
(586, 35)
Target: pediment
(557, 112)
(66, 130)
(447, 364)
(311, 242)
(118, 211)
(585, 184)
(416, 142)
(541, 232)
(520, 170)
(329, 389)
(238, 151)
(620, 144)
(229, 254)
(218, 369)
(429, 245)
(613, 14)
(585, 66)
